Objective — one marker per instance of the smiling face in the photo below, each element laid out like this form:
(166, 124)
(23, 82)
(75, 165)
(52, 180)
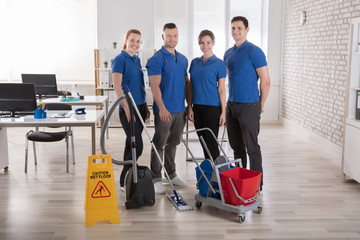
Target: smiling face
(170, 37)
(238, 31)
(206, 44)
(133, 43)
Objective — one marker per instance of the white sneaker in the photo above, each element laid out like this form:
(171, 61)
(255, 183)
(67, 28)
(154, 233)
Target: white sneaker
(159, 188)
(122, 189)
(178, 182)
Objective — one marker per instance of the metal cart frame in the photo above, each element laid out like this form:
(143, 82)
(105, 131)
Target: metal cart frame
(220, 203)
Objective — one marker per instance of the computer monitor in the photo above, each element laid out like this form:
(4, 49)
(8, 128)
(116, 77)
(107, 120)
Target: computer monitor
(17, 98)
(45, 84)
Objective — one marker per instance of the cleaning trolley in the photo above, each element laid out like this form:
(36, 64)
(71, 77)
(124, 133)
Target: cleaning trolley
(224, 186)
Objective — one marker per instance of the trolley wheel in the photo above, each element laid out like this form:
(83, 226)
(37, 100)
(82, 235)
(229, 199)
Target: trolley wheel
(259, 209)
(198, 204)
(241, 217)
(6, 168)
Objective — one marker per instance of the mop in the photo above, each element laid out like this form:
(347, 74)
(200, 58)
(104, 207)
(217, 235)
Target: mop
(175, 198)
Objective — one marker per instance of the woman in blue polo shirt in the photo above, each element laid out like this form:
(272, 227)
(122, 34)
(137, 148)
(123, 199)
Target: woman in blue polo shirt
(207, 76)
(127, 70)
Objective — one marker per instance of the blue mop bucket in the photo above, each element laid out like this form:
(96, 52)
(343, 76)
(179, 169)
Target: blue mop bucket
(203, 185)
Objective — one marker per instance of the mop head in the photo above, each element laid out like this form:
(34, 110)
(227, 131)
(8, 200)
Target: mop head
(177, 200)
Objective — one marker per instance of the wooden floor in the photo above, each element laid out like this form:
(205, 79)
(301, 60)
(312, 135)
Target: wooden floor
(304, 196)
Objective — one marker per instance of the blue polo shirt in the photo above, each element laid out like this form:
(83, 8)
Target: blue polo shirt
(133, 76)
(173, 73)
(204, 80)
(242, 63)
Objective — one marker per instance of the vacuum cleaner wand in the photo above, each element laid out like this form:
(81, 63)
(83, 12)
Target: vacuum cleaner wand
(103, 130)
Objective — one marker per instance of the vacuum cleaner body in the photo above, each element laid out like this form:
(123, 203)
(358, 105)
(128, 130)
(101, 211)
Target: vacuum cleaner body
(141, 193)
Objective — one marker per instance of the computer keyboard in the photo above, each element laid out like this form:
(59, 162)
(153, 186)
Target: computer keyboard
(18, 113)
(24, 113)
(49, 96)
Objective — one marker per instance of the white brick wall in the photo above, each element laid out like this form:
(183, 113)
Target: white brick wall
(315, 64)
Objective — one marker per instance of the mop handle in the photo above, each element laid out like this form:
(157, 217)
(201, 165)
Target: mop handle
(152, 143)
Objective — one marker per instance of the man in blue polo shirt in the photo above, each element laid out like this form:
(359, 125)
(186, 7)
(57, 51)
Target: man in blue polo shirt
(167, 71)
(246, 63)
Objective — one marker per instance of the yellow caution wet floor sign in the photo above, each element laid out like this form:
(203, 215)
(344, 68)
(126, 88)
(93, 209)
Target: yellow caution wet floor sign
(100, 197)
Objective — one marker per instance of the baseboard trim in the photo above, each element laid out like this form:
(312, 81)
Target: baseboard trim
(300, 130)
(269, 122)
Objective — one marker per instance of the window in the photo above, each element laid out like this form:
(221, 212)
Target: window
(43, 37)
(172, 11)
(209, 14)
(253, 11)
(192, 16)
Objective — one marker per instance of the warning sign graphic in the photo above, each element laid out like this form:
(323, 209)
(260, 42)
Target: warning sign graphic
(100, 191)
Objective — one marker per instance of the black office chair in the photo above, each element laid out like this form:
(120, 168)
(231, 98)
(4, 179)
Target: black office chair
(39, 136)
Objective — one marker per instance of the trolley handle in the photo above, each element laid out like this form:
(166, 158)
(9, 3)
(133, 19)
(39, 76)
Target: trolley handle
(197, 164)
(252, 199)
(205, 129)
(227, 163)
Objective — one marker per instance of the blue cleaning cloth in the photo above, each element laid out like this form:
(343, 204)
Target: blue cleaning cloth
(69, 99)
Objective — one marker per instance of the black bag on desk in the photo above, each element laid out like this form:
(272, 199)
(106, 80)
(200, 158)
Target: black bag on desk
(141, 193)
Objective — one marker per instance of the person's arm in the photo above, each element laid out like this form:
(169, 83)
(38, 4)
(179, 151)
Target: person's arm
(117, 80)
(189, 96)
(222, 96)
(164, 114)
(263, 74)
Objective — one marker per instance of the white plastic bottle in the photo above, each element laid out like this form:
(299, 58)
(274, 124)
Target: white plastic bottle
(74, 92)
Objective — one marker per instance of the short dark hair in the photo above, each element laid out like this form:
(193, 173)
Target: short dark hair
(169, 26)
(204, 33)
(241, 18)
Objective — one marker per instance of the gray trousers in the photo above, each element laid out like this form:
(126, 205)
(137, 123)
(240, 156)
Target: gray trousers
(166, 138)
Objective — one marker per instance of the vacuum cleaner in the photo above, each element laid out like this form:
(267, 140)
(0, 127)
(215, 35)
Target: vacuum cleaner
(139, 187)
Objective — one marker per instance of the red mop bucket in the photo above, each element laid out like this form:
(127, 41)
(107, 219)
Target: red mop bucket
(246, 183)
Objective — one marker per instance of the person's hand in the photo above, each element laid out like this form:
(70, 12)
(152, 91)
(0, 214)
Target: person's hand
(127, 113)
(147, 113)
(165, 116)
(222, 119)
(190, 113)
(262, 107)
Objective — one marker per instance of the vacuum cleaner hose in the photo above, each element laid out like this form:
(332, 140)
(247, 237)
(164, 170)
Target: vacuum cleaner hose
(103, 130)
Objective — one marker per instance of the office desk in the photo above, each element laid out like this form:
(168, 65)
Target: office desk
(88, 101)
(4, 159)
(90, 119)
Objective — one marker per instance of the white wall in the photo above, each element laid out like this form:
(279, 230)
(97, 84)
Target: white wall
(274, 58)
(116, 17)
